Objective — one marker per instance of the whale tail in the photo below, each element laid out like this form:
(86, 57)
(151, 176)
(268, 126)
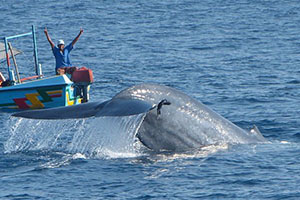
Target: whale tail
(114, 107)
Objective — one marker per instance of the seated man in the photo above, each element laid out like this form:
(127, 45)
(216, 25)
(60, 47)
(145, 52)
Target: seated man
(62, 54)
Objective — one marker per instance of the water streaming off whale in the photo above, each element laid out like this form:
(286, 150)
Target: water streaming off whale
(95, 136)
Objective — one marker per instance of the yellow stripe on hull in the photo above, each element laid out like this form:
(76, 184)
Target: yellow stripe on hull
(36, 103)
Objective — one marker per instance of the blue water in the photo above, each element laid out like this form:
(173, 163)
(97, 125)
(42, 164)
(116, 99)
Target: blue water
(241, 58)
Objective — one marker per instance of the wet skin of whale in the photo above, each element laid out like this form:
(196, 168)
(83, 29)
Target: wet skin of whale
(172, 120)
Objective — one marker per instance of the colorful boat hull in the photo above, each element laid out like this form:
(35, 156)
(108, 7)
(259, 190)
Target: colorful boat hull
(42, 93)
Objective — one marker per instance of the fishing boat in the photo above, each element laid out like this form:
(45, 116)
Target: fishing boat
(37, 91)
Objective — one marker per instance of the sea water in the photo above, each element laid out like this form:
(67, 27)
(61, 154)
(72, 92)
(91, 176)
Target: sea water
(241, 58)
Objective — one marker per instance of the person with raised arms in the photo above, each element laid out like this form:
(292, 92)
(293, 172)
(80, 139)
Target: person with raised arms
(62, 54)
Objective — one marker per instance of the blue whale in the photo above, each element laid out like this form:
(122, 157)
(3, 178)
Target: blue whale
(172, 120)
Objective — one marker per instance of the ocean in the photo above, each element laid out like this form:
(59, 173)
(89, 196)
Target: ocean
(241, 58)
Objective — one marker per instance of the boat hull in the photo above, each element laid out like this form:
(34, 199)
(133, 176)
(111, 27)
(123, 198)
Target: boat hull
(42, 93)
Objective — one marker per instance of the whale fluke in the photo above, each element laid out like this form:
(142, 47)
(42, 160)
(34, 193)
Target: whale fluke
(113, 107)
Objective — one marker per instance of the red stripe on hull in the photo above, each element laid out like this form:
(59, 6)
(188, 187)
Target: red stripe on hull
(21, 103)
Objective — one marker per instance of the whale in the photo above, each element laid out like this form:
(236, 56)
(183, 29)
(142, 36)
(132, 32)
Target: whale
(172, 120)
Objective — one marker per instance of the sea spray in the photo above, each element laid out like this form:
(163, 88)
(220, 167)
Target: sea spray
(107, 136)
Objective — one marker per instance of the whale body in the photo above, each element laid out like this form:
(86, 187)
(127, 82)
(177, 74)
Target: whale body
(172, 121)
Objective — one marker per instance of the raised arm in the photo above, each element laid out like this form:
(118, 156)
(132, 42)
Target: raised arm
(48, 38)
(77, 37)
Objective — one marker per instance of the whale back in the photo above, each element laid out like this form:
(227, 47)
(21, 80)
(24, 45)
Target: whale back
(185, 124)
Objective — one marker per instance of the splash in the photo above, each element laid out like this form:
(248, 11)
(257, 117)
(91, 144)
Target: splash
(95, 137)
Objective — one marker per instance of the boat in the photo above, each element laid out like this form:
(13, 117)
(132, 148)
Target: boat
(37, 91)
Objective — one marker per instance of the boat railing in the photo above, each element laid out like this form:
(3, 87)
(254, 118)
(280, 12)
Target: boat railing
(8, 48)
